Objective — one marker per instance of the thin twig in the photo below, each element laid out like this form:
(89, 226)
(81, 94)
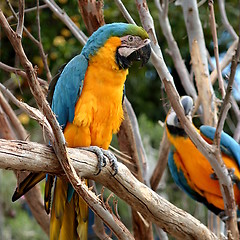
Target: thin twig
(225, 105)
(40, 46)
(19, 129)
(124, 11)
(225, 61)
(21, 73)
(28, 11)
(162, 162)
(215, 42)
(20, 25)
(81, 37)
(35, 41)
(227, 25)
(30, 111)
(139, 144)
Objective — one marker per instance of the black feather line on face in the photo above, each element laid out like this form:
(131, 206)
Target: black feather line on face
(176, 131)
(122, 62)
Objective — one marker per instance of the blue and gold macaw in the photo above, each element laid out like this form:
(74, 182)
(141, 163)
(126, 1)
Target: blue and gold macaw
(191, 171)
(86, 97)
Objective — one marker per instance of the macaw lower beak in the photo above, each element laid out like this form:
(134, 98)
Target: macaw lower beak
(142, 53)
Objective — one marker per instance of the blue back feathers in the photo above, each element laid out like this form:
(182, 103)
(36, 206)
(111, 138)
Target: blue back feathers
(68, 89)
(228, 145)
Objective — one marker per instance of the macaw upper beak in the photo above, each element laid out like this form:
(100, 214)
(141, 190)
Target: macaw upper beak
(142, 53)
(126, 56)
(172, 120)
(187, 104)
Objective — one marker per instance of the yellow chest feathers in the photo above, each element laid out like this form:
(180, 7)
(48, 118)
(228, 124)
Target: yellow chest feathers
(98, 112)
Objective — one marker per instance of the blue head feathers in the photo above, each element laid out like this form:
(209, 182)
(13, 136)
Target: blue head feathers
(99, 37)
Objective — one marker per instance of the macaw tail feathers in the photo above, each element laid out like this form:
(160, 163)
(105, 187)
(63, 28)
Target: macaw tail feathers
(69, 217)
(82, 211)
(47, 193)
(28, 183)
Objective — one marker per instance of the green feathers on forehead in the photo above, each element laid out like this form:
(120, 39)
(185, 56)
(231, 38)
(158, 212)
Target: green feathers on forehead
(99, 37)
(136, 31)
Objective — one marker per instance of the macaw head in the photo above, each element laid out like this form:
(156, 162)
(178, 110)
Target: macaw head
(133, 44)
(172, 122)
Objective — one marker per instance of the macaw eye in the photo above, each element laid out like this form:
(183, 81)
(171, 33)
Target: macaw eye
(130, 38)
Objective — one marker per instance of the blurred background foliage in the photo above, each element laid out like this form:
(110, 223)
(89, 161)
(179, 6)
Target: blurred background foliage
(143, 89)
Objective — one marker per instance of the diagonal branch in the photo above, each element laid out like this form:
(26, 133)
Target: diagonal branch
(20, 24)
(227, 25)
(23, 74)
(81, 37)
(215, 42)
(40, 46)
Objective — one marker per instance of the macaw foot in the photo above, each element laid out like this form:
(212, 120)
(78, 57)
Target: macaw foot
(223, 216)
(234, 178)
(102, 156)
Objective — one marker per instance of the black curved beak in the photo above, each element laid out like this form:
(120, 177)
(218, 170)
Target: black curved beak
(142, 54)
(187, 104)
(172, 121)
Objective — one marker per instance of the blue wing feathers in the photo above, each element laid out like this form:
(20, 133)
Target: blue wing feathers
(179, 178)
(68, 89)
(228, 145)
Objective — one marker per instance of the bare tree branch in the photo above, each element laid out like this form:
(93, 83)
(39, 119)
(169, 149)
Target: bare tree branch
(92, 14)
(130, 142)
(195, 35)
(124, 11)
(162, 161)
(202, 83)
(226, 103)
(18, 127)
(174, 50)
(20, 25)
(21, 73)
(38, 43)
(225, 61)
(28, 10)
(141, 198)
(40, 46)
(227, 25)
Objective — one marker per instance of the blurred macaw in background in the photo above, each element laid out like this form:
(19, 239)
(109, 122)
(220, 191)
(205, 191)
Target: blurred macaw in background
(191, 171)
(86, 97)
